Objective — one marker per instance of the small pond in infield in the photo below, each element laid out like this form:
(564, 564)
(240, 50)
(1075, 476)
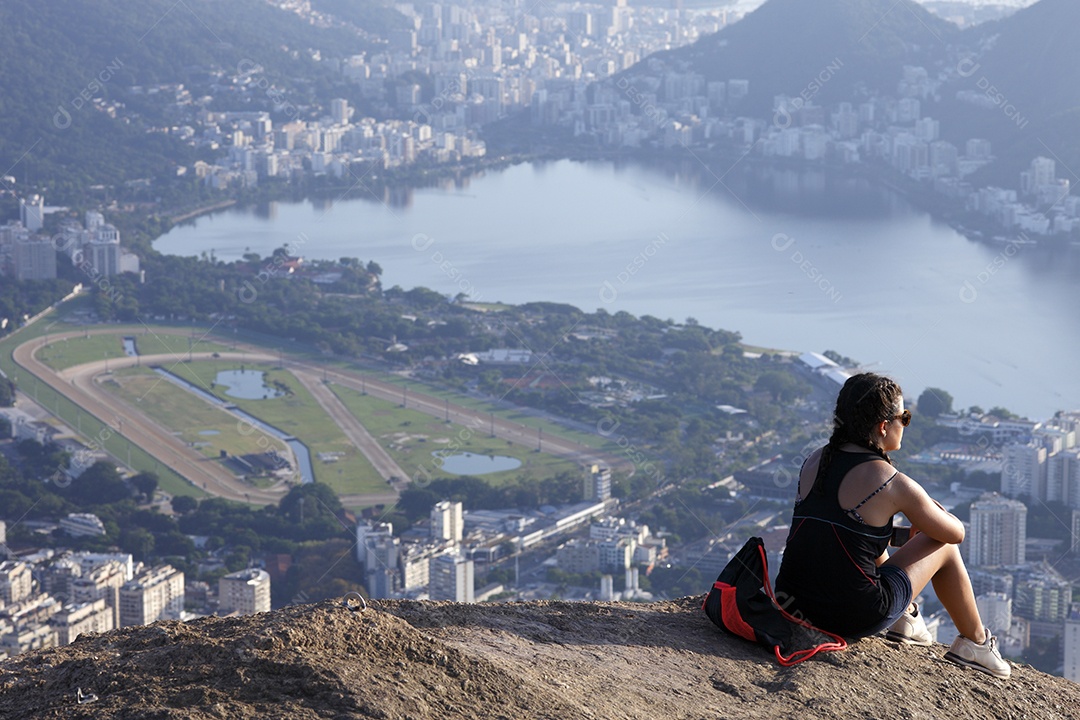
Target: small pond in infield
(467, 463)
(246, 384)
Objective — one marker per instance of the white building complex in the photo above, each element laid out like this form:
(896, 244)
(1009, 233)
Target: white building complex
(82, 525)
(1072, 643)
(157, 594)
(245, 592)
(16, 581)
(75, 619)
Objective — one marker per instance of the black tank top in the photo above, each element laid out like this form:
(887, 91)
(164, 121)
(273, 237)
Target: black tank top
(829, 571)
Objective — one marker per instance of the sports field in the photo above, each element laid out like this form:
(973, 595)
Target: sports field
(336, 461)
(414, 440)
(198, 423)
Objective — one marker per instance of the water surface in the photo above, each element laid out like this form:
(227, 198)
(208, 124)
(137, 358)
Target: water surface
(791, 260)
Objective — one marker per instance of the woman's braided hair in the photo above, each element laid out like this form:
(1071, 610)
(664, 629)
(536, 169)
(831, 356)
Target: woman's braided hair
(865, 401)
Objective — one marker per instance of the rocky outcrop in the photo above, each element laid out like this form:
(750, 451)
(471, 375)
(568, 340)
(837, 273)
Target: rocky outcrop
(561, 660)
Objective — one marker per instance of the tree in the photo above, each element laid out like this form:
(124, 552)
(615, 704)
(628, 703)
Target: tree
(782, 386)
(139, 542)
(1003, 413)
(839, 359)
(100, 484)
(183, 504)
(7, 392)
(934, 402)
(416, 503)
(146, 483)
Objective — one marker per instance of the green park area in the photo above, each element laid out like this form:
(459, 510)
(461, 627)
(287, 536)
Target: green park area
(203, 426)
(337, 462)
(90, 347)
(417, 441)
(502, 411)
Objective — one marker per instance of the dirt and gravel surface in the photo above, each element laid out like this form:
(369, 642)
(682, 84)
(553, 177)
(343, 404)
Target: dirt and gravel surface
(401, 659)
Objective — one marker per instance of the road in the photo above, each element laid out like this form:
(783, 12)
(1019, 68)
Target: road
(356, 433)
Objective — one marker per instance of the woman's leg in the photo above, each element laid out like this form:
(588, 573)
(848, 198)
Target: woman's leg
(926, 560)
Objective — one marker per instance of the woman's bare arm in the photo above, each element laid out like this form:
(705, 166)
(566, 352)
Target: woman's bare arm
(924, 512)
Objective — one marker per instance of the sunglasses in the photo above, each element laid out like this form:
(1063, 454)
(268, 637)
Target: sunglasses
(904, 418)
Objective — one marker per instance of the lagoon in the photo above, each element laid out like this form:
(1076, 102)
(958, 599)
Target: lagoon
(802, 260)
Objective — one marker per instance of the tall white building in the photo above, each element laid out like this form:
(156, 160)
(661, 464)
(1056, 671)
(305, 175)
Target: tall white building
(16, 581)
(416, 565)
(998, 531)
(103, 251)
(598, 483)
(32, 212)
(1042, 594)
(451, 578)
(339, 111)
(27, 639)
(447, 521)
(1075, 532)
(1063, 477)
(1023, 471)
(1072, 643)
(380, 560)
(33, 259)
(245, 592)
(1042, 173)
(157, 594)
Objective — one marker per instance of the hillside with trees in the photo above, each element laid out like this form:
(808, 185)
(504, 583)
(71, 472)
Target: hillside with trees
(79, 112)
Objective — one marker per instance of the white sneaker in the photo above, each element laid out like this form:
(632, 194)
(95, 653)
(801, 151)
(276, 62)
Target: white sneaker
(910, 629)
(984, 658)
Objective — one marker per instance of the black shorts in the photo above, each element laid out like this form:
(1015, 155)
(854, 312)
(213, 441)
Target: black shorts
(898, 585)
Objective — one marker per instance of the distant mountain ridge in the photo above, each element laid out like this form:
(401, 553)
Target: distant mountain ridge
(1025, 68)
(845, 50)
(785, 44)
(1033, 56)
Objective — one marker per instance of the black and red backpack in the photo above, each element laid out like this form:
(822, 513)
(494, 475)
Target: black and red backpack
(742, 602)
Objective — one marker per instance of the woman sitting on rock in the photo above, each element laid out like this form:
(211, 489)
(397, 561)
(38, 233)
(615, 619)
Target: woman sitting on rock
(836, 571)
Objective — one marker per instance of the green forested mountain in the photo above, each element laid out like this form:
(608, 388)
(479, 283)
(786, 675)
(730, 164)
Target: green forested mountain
(1032, 56)
(785, 44)
(1026, 72)
(57, 57)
